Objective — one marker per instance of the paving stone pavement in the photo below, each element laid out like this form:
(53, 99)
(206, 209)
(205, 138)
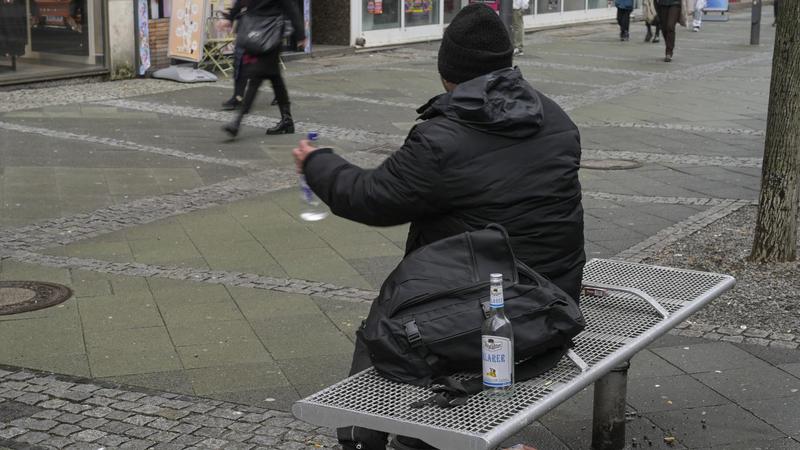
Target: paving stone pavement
(204, 307)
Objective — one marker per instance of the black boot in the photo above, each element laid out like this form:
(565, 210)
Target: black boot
(649, 35)
(286, 125)
(232, 127)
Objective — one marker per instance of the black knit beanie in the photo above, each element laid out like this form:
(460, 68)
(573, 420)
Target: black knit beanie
(475, 43)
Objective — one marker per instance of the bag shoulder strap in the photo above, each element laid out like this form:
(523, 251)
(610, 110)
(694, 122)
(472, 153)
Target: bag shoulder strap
(449, 391)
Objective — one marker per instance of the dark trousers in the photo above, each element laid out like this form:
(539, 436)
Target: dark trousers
(776, 6)
(350, 437)
(624, 20)
(239, 80)
(668, 16)
(656, 23)
(281, 94)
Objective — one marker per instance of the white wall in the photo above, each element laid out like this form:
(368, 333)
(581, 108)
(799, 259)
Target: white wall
(121, 33)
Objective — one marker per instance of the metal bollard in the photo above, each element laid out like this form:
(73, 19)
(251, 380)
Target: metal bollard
(608, 421)
(755, 23)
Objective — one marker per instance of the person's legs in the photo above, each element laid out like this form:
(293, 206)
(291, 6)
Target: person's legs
(697, 18)
(619, 22)
(286, 124)
(668, 16)
(775, 7)
(657, 36)
(239, 81)
(232, 128)
(626, 23)
(649, 34)
(518, 26)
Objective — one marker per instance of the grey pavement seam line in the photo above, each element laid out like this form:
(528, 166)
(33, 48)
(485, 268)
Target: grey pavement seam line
(346, 98)
(665, 158)
(623, 198)
(348, 134)
(64, 95)
(630, 87)
(65, 230)
(660, 240)
(673, 126)
(238, 279)
(118, 143)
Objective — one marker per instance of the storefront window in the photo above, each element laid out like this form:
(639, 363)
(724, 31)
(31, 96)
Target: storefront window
(598, 4)
(574, 5)
(50, 38)
(548, 6)
(380, 15)
(421, 12)
(451, 8)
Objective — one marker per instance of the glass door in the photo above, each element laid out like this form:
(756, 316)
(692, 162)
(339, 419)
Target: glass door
(388, 22)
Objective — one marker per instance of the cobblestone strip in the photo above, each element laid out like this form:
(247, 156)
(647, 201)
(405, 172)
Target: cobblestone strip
(128, 145)
(738, 335)
(665, 158)
(582, 68)
(660, 240)
(348, 134)
(622, 198)
(658, 80)
(43, 410)
(82, 93)
(238, 279)
(673, 126)
(65, 230)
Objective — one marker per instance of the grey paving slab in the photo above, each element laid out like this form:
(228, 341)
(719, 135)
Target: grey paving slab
(753, 382)
(716, 425)
(671, 393)
(708, 357)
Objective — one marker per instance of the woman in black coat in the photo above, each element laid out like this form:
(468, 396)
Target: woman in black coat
(669, 12)
(257, 68)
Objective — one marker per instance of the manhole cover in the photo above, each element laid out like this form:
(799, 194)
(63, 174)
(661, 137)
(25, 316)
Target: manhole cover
(610, 164)
(22, 296)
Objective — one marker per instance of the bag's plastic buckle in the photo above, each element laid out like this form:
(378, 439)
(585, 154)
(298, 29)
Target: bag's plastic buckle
(595, 292)
(412, 334)
(487, 310)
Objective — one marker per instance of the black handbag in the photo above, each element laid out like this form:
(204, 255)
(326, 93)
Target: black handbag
(426, 323)
(258, 35)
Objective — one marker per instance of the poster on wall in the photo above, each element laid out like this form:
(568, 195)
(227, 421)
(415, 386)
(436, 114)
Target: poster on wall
(144, 37)
(186, 30)
(307, 24)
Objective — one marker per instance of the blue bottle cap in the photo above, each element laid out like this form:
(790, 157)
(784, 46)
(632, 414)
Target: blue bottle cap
(313, 135)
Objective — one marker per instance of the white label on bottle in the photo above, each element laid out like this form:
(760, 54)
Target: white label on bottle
(497, 361)
(496, 296)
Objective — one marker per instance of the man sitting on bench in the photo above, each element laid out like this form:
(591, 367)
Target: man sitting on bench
(492, 149)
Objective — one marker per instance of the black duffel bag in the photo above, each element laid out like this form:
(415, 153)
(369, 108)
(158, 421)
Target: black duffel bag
(426, 322)
(258, 35)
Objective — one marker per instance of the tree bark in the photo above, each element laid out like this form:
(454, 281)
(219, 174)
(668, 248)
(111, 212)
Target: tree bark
(775, 238)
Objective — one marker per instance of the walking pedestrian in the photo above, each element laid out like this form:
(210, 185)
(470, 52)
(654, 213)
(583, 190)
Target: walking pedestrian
(266, 66)
(669, 12)
(518, 25)
(651, 20)
(624, 10)
(697, 18)
(491, 149)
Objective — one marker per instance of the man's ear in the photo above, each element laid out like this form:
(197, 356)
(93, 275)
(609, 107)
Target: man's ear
(449, 86)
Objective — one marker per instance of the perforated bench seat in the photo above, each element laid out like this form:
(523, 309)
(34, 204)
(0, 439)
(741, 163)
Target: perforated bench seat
(626, 306)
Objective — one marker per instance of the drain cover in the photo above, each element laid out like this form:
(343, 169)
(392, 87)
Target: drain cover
(22, 296)
(610, 164)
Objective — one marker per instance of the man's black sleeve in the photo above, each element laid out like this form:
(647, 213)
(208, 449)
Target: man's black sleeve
(403, 188)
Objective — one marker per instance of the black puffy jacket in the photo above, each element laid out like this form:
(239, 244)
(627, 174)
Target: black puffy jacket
(494, 150)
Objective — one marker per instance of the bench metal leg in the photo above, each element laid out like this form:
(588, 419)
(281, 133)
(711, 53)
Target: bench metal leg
(608, 421)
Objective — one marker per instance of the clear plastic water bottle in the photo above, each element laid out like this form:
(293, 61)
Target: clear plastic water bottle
(313, 209)
(497, 346)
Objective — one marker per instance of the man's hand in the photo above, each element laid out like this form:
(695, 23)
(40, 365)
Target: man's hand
(301, 153)
(301, 44)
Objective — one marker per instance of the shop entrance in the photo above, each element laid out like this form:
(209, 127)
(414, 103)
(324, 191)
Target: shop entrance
(386, 22)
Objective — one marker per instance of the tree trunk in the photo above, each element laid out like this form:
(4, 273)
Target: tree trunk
(775, 236)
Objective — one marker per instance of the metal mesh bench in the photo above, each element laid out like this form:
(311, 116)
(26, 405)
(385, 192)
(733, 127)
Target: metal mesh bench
(626, 306)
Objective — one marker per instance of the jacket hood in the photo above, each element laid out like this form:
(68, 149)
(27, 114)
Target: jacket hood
(500, 102)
